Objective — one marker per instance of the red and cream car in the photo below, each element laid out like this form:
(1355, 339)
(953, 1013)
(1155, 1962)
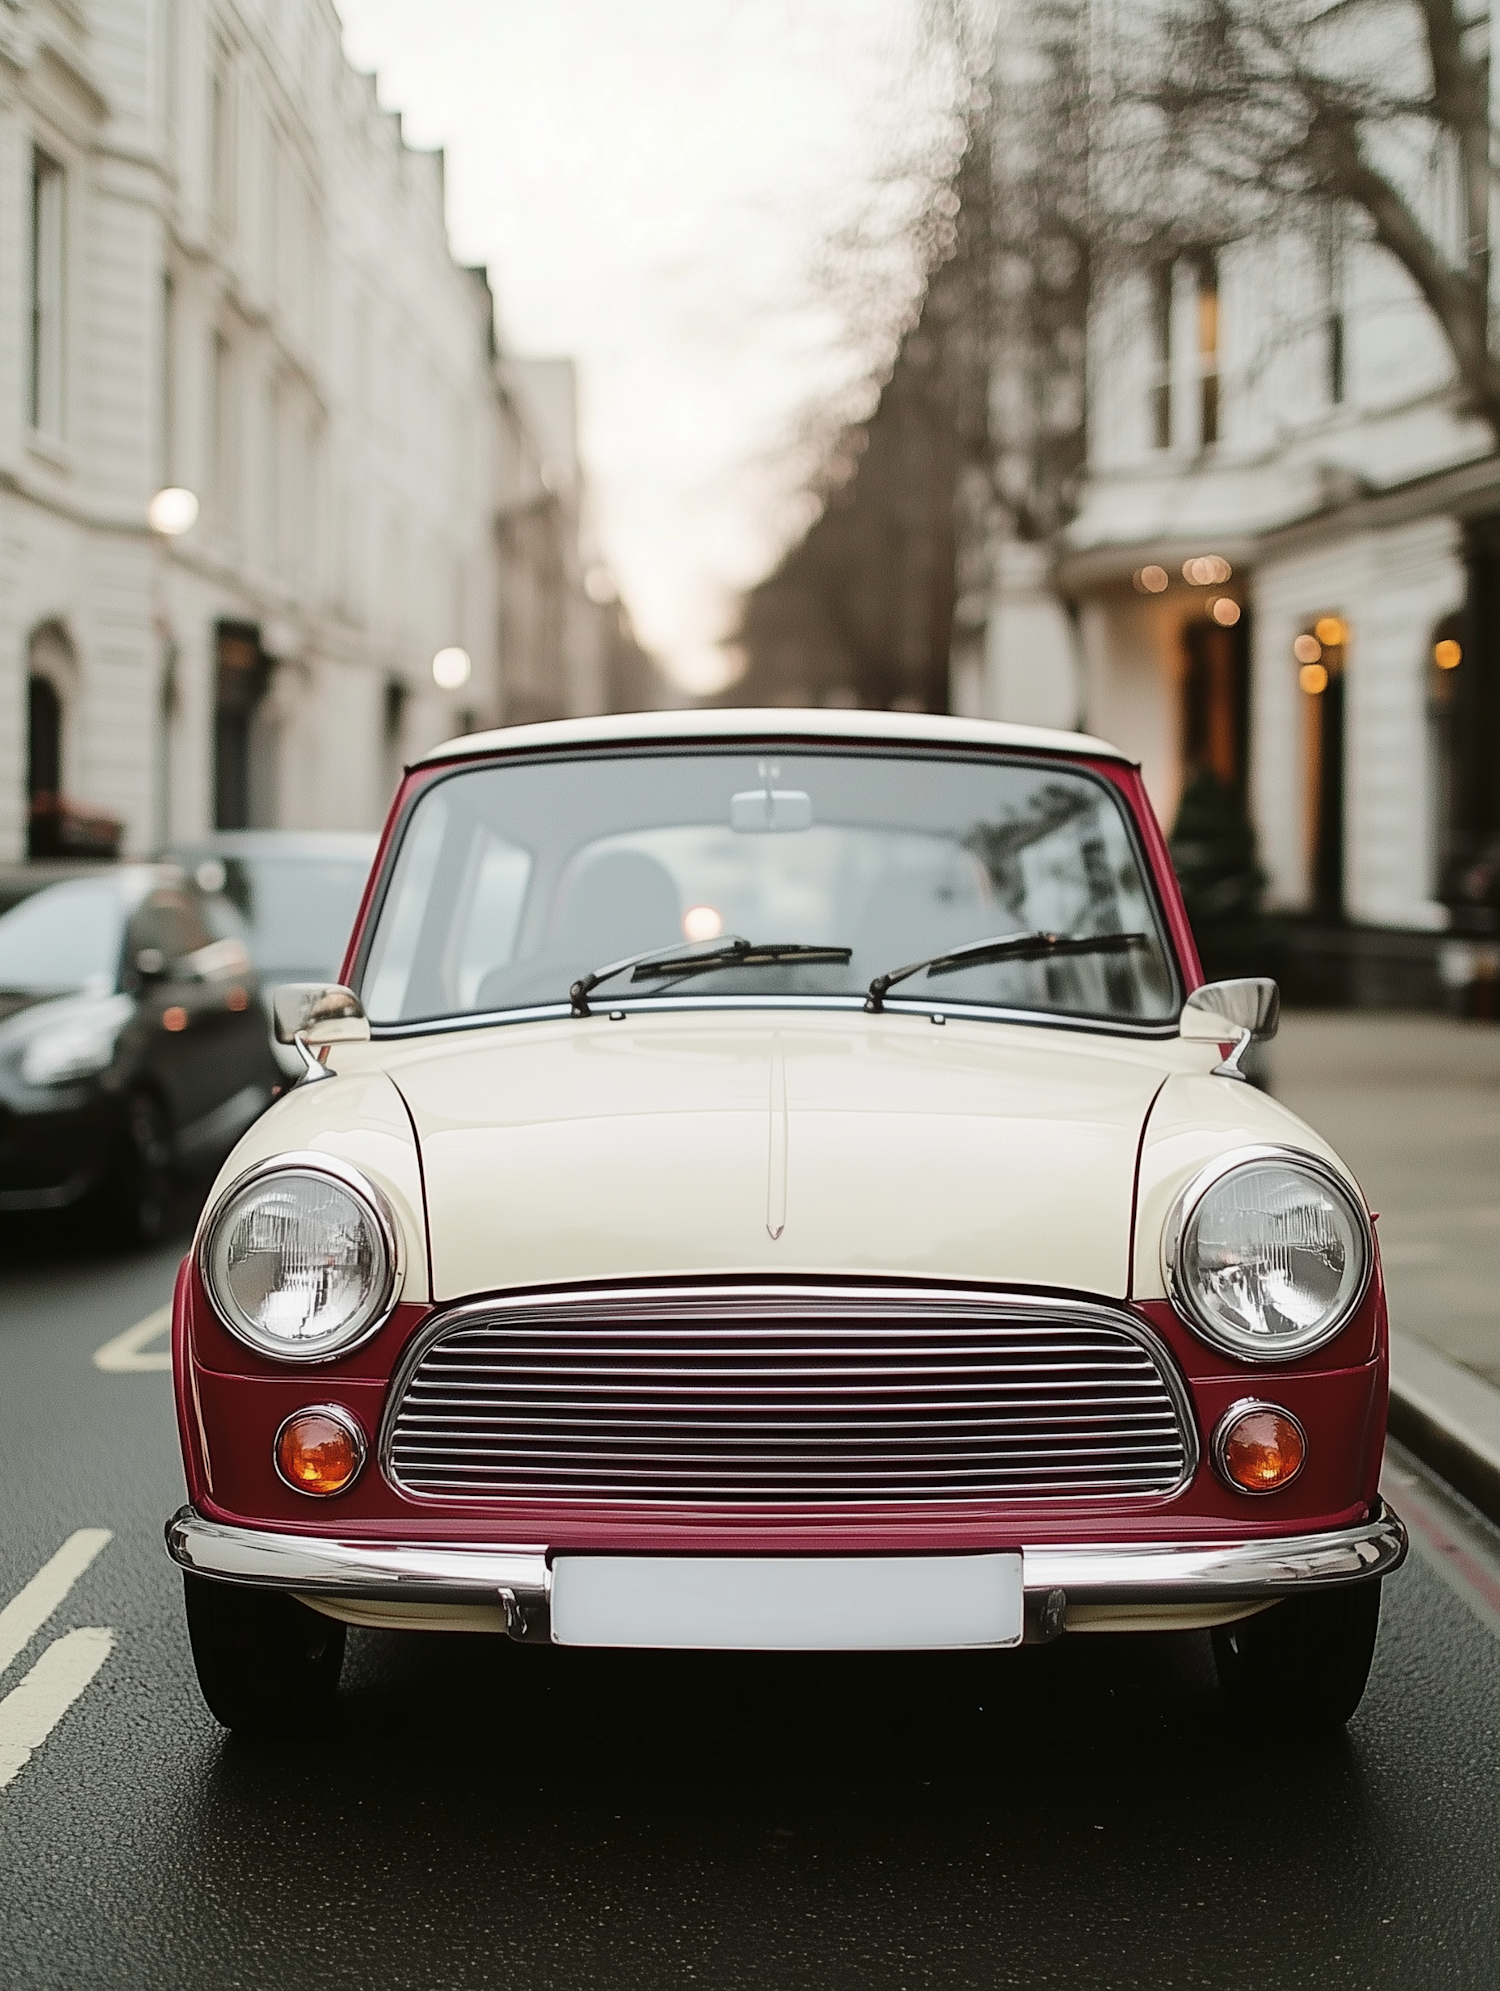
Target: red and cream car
(775, 1180)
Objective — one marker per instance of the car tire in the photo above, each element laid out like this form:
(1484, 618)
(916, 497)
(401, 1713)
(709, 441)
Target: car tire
(267, 1665)
(1301, 1666)
(136, 1197)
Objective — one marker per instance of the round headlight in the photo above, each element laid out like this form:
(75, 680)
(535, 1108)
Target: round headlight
(1268, 1255)
(300, 1259)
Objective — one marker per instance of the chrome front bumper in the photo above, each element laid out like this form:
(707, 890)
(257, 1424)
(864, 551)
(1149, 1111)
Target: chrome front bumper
(1094, 1586)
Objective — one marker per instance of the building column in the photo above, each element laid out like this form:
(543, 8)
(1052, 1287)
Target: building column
(1031, 674)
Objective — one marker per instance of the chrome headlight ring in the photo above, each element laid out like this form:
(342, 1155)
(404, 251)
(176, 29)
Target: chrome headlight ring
(1179, 1230)
(371, 1205)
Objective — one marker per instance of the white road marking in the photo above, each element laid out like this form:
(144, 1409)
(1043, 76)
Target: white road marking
(31, 1607)
(31, 1711)
(127, 1352)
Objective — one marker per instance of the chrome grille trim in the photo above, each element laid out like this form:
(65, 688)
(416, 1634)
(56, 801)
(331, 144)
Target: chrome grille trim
(743, 1394)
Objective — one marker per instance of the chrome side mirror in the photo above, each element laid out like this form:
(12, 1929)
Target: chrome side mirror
(1244, 1012)
(318, 1013)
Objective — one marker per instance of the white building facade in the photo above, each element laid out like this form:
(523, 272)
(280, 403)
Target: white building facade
(222, 271)
(1272, 576)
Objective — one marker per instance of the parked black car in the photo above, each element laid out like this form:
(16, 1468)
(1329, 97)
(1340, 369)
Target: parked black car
(132, 1043)
(297, 892)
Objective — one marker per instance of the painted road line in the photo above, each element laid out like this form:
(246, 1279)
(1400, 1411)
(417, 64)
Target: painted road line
(128, 1352)
(31, 1711)
(30, 1608)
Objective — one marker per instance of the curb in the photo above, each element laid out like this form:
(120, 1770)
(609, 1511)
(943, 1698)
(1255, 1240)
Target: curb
(1450, 1418)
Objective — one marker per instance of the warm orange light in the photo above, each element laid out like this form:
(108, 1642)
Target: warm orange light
(1447, 655)
(1260, 1449)
(238, 999)
(1307, 649)
(1225, 612)
(1153, 580)
(317, 1452)
(174, 1018)
(1313, 678)
(1208, 570)
(703, 922)
(1330, 631)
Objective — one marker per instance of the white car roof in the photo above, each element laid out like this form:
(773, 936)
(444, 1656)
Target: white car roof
(918, 728)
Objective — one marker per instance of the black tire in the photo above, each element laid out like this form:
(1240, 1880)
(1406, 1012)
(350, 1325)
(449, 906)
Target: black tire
(136, 1197)
(267, 1665)
(1301, 1666)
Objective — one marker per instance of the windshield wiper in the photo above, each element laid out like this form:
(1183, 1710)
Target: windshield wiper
(1006, 947)
(673, 963)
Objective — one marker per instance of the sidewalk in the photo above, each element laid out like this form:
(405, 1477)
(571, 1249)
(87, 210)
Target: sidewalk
(1412, 1103)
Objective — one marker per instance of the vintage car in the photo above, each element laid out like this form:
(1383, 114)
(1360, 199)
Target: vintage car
(775, 1180)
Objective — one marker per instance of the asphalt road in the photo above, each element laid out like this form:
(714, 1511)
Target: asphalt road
(479, 1814)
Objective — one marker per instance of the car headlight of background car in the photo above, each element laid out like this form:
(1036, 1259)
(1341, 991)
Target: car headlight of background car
(301, 1258)
(1268, 1253)
(75, 1039)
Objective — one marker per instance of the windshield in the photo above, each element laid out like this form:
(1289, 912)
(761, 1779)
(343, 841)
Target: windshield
(512, 881)
(66, 938)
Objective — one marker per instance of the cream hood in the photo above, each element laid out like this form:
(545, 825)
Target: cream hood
(762, 1141)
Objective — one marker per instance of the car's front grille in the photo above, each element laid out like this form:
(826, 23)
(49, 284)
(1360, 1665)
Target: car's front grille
(756, 1394)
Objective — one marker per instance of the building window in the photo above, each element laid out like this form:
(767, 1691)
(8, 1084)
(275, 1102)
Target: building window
(46, 385)
(1208, 348)
(221, 143)
(1162, 287)
(223, 437)
(166, 384)
(393, 735)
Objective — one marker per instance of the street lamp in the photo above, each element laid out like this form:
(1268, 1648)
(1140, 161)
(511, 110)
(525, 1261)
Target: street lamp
(173, 512)
(451, 668)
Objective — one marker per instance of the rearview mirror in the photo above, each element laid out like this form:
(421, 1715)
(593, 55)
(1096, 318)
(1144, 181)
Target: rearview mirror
(319, 1013)
(1244, 1012)
(762, 811)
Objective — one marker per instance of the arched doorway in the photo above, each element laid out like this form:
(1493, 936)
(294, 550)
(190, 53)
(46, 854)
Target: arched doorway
(50, 675)
(43, 741)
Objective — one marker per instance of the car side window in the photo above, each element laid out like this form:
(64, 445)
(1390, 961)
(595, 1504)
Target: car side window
(499, 872)
(170, 922)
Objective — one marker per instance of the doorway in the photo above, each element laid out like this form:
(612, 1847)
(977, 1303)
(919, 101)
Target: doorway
(243, 678)
(1215, 701)
(44, 721)
(1320, 653)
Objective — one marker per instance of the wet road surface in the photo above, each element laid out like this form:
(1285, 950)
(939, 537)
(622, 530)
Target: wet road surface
(481, 1814)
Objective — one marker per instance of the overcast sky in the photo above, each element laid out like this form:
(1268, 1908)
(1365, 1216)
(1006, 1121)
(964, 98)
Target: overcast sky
(652, 184)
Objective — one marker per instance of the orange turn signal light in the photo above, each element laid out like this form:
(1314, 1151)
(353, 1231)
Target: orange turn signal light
(1258, 1447)
(320, 1450)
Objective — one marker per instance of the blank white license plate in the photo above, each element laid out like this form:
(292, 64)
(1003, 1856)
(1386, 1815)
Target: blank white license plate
(788, 1603)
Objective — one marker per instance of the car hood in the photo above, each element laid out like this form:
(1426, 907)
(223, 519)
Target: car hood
(777, 1142)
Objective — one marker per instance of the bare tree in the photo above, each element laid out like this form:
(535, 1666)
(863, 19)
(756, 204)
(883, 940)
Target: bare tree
(1239, 116)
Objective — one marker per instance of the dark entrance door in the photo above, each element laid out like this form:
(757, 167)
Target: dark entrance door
(43, 739)
(244, 673)
(1326, 717)
(1468, 695)
(1215, 702)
